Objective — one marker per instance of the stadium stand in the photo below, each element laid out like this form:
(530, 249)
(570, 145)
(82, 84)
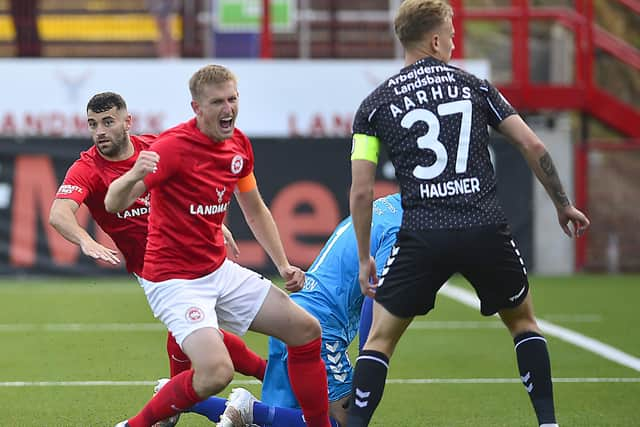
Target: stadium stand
(345, 29)
(89, 28)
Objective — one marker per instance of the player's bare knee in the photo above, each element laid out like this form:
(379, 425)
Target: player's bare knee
(306, 329)
(211, 378)
(520, 319)
(312, 328)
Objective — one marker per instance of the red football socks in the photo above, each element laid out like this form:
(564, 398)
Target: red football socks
(178, 361)
(244, 359)
(176, 396)
(308, 377)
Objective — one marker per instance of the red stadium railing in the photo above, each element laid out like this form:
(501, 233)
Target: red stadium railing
(583, 94)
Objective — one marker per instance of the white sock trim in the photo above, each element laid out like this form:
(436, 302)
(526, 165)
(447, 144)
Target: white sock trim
(375, 359)
(529, 339)
(549, 425)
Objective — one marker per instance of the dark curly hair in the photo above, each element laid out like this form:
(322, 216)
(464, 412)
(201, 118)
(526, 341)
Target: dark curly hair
(104, 101)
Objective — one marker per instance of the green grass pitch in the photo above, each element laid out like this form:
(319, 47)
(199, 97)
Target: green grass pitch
(452, 367)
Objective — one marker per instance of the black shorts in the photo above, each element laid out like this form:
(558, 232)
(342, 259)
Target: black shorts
(421, 262)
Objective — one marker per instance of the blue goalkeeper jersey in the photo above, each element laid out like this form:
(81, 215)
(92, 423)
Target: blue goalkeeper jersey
(331, 292)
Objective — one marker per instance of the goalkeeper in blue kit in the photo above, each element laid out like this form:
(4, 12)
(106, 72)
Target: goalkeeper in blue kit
(331, 294)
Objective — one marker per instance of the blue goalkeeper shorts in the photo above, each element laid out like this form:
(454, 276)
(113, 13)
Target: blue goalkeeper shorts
(276, 388)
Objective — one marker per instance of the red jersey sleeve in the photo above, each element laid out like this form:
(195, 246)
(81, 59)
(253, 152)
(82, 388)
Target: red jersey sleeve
(248, 166)
(78, 183)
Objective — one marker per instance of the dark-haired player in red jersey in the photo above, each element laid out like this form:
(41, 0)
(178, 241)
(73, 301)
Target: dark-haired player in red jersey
(191, 171)
(113, 153)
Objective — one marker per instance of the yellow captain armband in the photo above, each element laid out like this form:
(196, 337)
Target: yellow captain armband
(365, 147)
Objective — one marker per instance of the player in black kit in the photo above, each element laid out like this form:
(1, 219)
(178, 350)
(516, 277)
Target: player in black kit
(433, 119)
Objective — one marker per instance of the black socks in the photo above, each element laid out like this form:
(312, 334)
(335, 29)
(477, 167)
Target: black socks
(535, 372)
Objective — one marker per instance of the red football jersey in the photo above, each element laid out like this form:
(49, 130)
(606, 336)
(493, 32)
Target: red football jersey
(190, 194)
(87, 181)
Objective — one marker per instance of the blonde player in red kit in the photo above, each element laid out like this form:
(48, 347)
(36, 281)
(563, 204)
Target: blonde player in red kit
(114, 152)
(191, 171)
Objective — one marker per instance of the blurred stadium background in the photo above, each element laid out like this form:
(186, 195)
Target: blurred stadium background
(569, 66)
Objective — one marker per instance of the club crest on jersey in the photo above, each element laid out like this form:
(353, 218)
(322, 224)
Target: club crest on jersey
(220, 194)
(236, 164)
(146, 200)
(194, 315)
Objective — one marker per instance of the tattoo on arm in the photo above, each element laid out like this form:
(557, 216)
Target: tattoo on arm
(553, 180)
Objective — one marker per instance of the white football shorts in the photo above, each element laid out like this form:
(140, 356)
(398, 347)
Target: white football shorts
(229, 298)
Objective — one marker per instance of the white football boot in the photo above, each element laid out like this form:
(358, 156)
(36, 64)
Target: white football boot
(239, 411)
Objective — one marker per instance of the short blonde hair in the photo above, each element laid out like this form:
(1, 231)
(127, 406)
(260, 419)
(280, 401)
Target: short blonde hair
(207, 75)
(415, 18)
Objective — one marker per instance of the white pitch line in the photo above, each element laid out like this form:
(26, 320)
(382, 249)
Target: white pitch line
(506, 380)
(75, 383)
(82, 327)
(587, 343)
(455, 324)
(574, 318)
(493, 324)
(255, 382)
(146, 327)
(152, 327)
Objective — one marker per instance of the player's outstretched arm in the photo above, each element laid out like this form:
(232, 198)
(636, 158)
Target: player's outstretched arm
(264, 229)
(62, 217)
(125, 190)
(539, 160)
